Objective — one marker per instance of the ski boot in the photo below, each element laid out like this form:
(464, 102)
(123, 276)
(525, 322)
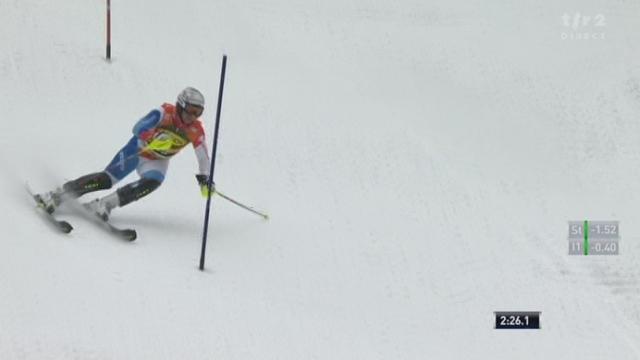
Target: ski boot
(102, 207)
(49, 200)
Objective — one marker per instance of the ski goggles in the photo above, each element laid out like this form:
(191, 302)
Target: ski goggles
(193, 110)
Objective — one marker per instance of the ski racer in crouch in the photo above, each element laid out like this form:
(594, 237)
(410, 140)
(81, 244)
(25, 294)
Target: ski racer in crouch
(157, 137)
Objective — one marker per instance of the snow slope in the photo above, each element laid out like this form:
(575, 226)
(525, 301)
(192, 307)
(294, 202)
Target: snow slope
(419, 160)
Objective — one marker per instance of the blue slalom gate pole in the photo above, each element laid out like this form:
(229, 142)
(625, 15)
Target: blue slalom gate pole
(213, 163)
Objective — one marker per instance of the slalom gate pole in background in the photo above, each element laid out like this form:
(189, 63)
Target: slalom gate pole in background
(108, 30)
(213, 163)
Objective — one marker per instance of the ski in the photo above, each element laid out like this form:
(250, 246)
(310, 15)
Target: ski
(77, 207)
(125, 234)
(62, 225)
(122, 233)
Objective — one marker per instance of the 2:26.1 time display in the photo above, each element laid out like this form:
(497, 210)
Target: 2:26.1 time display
(514, 320)
(517, 320)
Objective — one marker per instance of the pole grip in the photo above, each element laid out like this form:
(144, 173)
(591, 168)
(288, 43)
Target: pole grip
(213, 162)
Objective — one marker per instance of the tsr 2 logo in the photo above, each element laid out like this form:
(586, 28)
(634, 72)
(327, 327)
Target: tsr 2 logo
(584, 27)
(578, 21)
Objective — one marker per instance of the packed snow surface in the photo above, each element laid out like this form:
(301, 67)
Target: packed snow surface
(419, 160)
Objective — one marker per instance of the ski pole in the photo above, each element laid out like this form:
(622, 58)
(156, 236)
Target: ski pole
(265, 216)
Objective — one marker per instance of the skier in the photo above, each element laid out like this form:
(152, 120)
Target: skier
(158, 136)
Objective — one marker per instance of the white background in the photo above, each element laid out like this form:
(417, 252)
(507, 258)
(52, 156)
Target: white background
(419, 160)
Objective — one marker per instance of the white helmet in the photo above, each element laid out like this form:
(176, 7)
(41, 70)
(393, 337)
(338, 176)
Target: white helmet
(190, 96)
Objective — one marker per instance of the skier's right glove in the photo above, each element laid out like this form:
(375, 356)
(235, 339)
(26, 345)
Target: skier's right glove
(203, 181)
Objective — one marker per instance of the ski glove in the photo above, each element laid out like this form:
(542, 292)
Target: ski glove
(204, 189)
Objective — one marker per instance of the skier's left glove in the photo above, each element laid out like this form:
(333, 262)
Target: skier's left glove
(204, 188)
